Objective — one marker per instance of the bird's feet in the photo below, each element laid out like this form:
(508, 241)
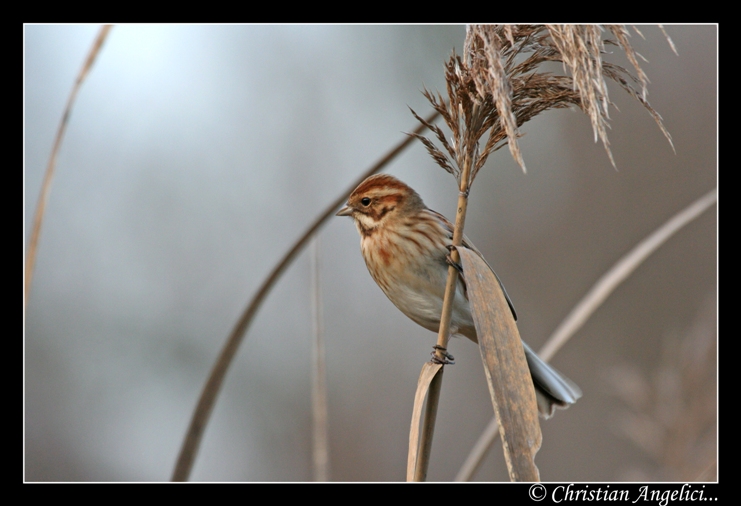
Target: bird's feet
(450, 261)
(447, 359)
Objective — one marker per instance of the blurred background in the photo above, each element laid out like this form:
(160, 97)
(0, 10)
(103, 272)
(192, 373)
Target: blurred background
(196, 155)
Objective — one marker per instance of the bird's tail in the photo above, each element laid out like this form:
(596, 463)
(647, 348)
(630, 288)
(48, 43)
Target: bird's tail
(552, 389)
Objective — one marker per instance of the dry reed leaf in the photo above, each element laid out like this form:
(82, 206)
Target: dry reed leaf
(507, 372)
(429, 370)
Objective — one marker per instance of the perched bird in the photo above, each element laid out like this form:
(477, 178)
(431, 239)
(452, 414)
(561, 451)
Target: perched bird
(405, 246)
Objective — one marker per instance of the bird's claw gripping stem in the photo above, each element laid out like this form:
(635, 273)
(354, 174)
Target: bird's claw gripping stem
(450, 261)
(447, 359)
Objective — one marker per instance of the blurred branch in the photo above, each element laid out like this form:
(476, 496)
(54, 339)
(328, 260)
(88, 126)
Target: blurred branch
(670, 413)
(211, 389)
(479, 451)
(320, 417)
(49, 175)
(589, 304)
(620, 271)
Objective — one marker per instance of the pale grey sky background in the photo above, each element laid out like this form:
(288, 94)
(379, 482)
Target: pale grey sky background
(196, 155)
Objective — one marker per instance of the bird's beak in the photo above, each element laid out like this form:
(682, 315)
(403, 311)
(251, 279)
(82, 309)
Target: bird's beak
(345, 211)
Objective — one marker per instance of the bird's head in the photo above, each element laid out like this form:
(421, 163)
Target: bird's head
(379, 199)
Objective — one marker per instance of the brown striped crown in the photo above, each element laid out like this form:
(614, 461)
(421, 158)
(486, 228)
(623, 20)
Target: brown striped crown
(378, 198)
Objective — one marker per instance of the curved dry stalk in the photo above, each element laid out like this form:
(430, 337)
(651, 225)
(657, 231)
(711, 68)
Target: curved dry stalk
(49, 175)
(479, 451)
(211, 389)
(588, 305)
(620, 272)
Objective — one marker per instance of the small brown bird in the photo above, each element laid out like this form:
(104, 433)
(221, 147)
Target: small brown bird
(405, 246)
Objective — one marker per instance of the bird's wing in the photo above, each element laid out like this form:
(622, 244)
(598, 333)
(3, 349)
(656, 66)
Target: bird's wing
(468, 244)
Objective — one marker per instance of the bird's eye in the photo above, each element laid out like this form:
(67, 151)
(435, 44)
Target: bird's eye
(365, 201)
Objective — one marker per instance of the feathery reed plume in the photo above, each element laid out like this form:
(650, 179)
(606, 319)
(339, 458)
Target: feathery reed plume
(498, 86)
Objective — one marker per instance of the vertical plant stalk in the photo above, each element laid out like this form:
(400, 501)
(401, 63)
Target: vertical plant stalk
(586, 307)
(49, 175)
(443, 335)
(320, 417)
(211, 388)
